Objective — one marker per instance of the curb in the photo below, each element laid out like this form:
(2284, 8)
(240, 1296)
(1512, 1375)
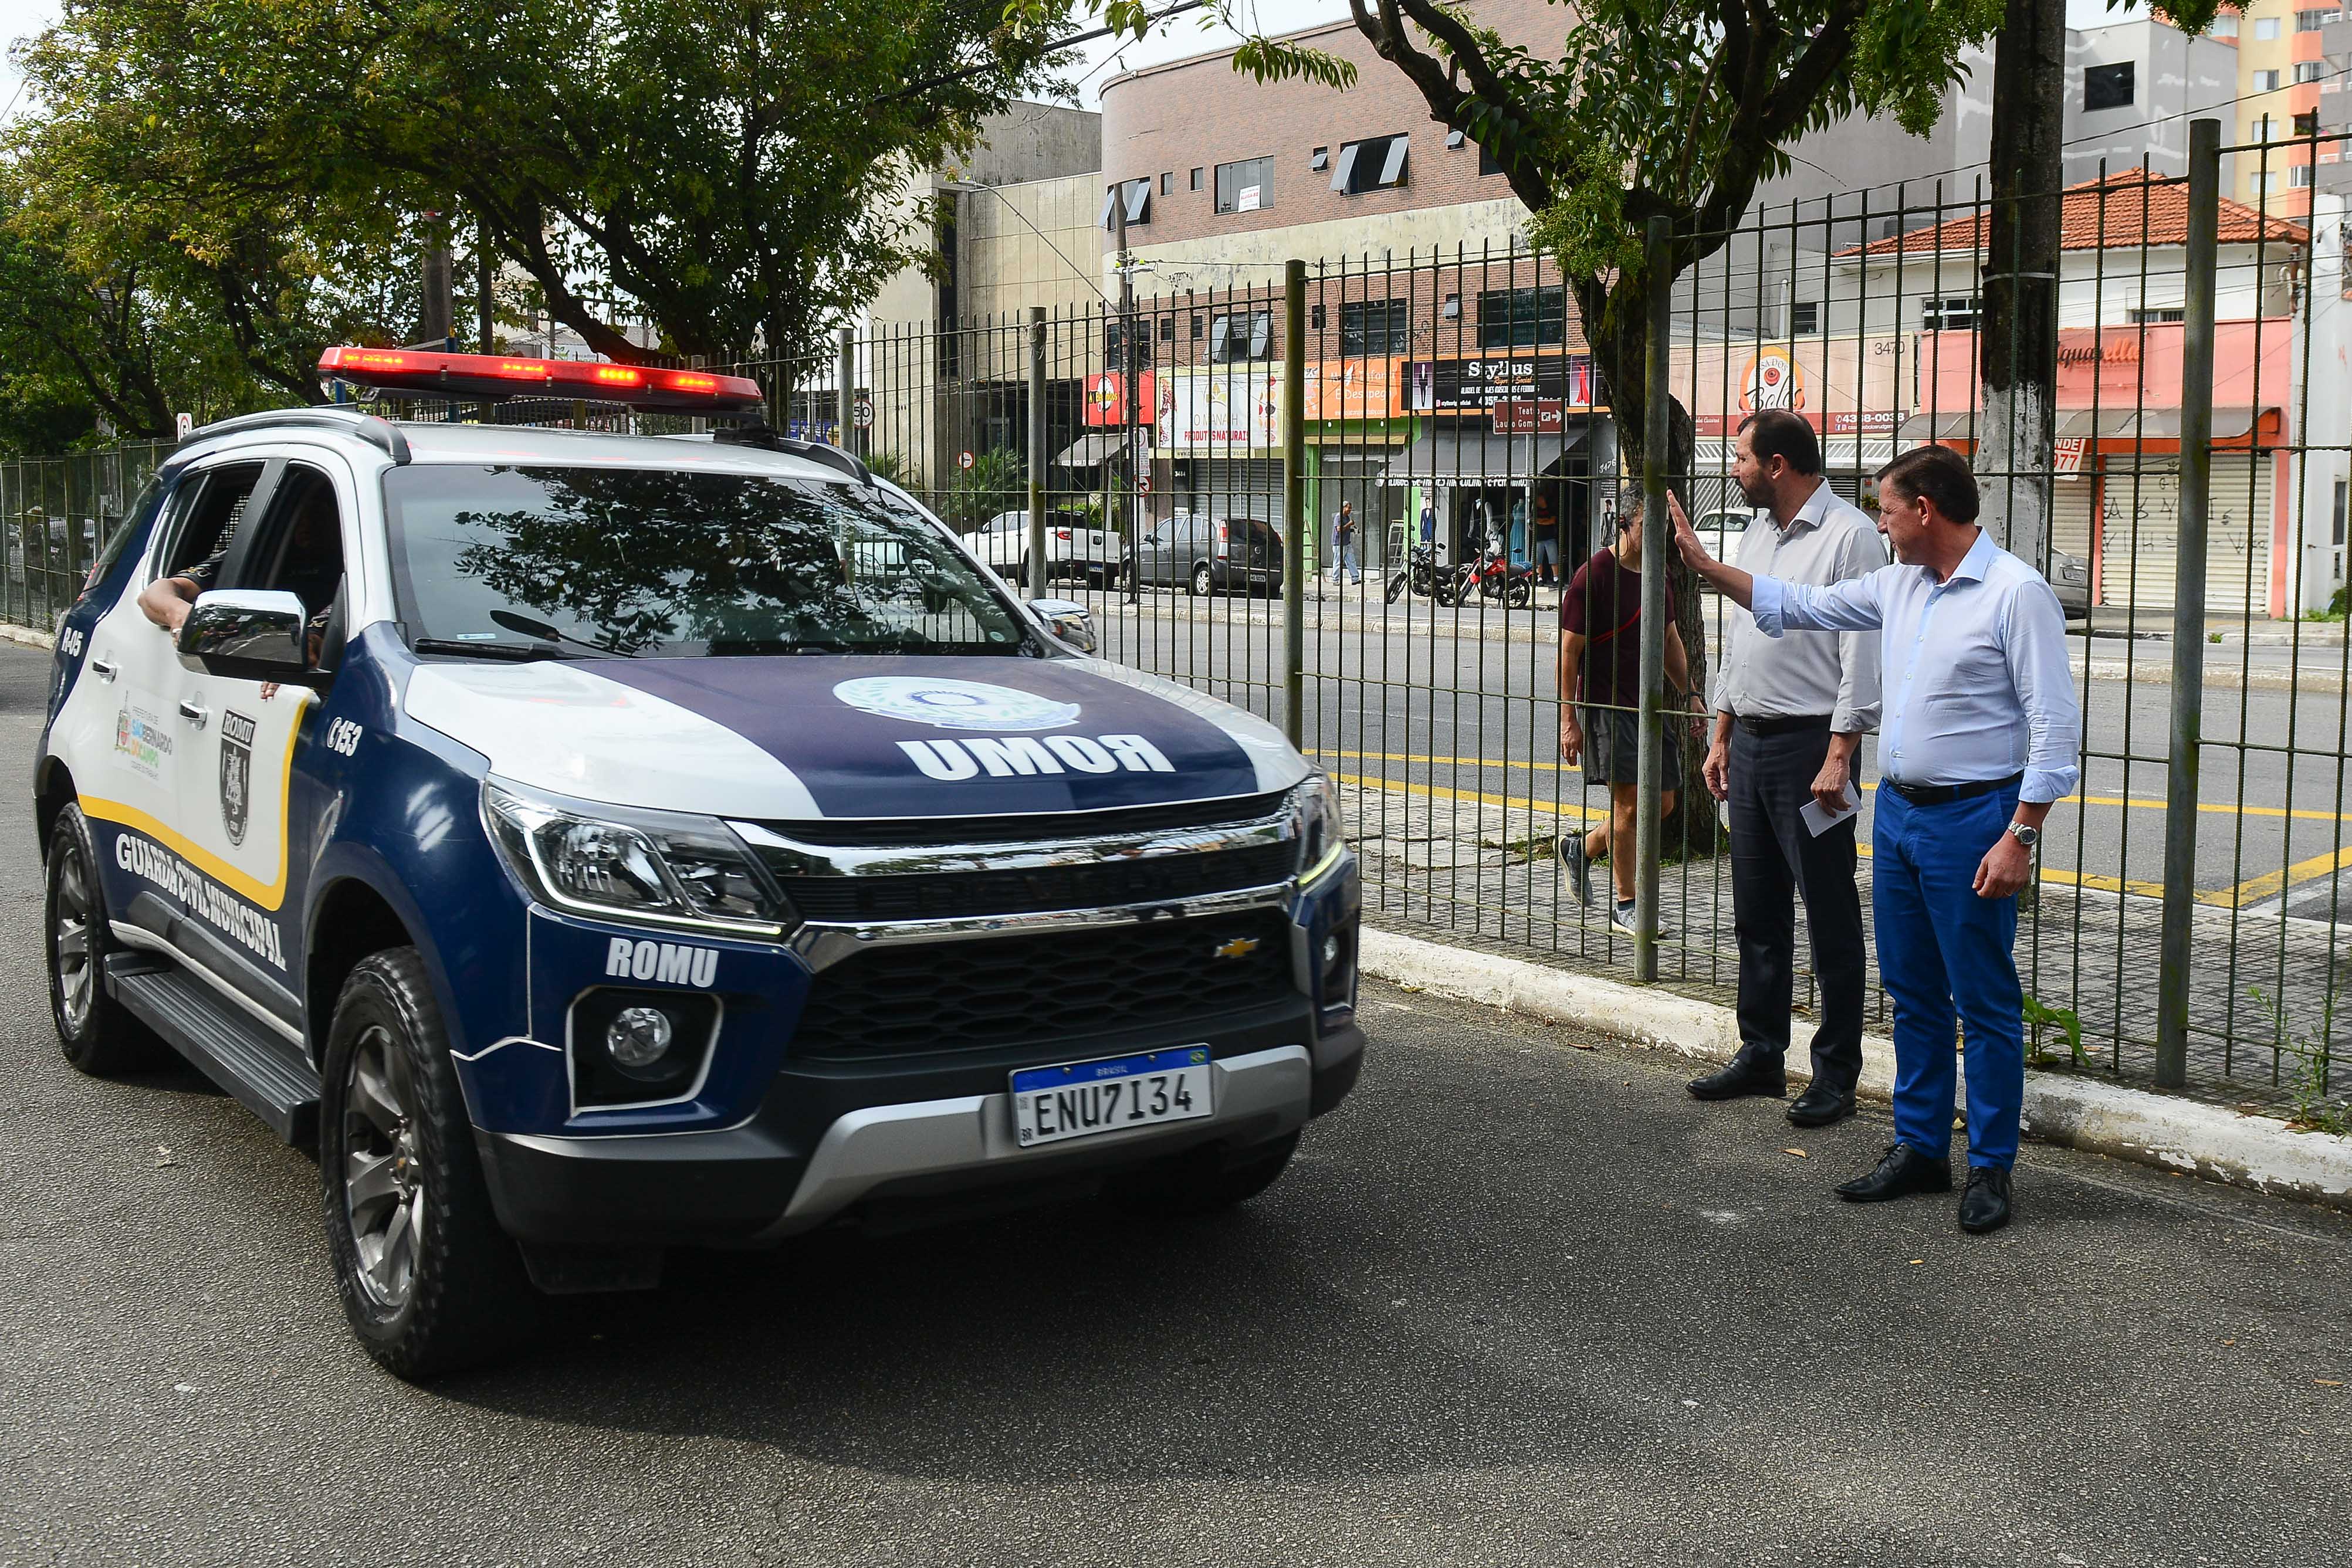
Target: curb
(2096, 1117)
(26, 637)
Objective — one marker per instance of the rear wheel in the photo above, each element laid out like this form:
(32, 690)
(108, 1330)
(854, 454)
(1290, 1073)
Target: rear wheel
(429, 1281)
(1519, 595)
(1203, 583)
(1205, 1184)
(97, 1033)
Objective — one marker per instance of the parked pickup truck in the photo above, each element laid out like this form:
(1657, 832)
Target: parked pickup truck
(594, 845)
(1073, 550)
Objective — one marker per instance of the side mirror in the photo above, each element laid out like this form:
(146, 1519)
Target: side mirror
(1068, 620)
(250, 634)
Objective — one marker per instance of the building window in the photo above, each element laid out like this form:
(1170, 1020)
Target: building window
(1138, 203)
(2343, 496)
(1237, 338)
(2157, 318)
(1805, 317)
(1374, 327)
(1321, 161)
(2299, 177)
(2265, 30)
(1115, 338)
(1168, 329)
(1246, 186)
(1375, 163)
(2108, 87)
(2264, 184)
(1454, 139)
(2224, 26)
(2309, 70)
(1522, 318)
(1167, 182)
(1197, 174)
(1957, 313)
(2307, 122)
(2265, 81)
(2312, 21)
(1315, 316)
(1200, 326)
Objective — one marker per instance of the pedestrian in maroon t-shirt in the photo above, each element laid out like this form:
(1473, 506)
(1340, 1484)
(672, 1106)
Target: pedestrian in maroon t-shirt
(1600, 709)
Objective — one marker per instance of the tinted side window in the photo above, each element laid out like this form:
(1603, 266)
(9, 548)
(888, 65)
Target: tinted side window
(210, 516)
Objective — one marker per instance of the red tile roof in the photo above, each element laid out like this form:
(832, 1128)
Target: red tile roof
(2130, 208)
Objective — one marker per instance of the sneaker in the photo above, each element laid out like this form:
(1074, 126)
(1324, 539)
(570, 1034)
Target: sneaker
(1578, 864)
(1620, 921)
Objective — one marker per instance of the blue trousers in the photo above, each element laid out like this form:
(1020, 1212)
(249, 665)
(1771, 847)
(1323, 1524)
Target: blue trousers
(1943, 951)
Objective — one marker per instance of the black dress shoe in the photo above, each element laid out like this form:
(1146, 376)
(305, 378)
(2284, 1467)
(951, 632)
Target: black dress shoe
(1901, 1172)
(1745, 1076)
(1985, 1205)
(1819, 1105)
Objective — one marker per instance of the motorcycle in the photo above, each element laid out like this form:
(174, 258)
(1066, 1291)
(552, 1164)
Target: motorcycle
(1419, 573)
(1491, 576)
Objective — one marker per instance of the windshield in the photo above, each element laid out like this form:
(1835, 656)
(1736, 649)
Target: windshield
(552, 562)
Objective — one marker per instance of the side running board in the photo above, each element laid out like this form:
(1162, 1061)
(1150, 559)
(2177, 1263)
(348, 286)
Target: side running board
(268, 1074)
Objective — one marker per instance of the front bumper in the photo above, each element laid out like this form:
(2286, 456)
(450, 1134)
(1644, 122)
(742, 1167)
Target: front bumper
(894, 1149)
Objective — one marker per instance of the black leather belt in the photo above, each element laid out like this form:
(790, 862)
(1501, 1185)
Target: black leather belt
(1945, 794)
(1794, 724)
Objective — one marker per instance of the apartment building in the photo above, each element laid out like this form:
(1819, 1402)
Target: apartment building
(2289, 84)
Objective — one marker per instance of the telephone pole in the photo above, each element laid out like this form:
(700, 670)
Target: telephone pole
(2017, 331)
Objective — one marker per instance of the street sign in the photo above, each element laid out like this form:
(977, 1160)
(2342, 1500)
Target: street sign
(861, 414)
(187, 425)
(1143, 483)
(964, 460)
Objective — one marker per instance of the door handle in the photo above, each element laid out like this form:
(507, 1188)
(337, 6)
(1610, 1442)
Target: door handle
(194, 712)
(103, 670)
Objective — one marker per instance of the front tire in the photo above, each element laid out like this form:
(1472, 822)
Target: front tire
(429, 1281)
(1203, 583)
(1192, 1187)
(97, 1033)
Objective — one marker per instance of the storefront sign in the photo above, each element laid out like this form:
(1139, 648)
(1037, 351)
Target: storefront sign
(1842, 386)
(1105, 395)
(1437, 386)
(1350, 389)
(1221, 409)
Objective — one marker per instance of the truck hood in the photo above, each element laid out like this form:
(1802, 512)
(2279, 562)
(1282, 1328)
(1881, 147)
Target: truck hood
(802, 737)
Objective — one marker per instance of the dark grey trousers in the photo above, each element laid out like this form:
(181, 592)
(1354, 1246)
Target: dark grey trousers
(1773, 859)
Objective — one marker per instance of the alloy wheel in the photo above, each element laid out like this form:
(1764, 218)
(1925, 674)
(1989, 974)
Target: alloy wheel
(383, 1180)
(70, 939)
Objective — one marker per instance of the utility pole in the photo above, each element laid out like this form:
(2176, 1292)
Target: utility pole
(437, 320)
(2017, 329)
(1127, 389)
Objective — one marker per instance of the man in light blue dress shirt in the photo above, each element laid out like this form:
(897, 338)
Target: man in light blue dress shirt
(1979, 736)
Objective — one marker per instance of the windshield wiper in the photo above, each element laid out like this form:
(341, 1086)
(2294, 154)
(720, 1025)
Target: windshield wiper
(515, 653)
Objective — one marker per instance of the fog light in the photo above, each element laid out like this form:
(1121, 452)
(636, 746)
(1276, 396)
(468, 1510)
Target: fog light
(1330, 951)
(638, 1037)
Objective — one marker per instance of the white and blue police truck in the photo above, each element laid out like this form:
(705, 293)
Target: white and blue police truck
(594, 845)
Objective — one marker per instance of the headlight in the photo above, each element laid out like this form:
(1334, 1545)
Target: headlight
(1314, 806)
(660, 866)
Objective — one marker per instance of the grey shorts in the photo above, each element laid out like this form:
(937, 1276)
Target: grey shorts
(1613, 748)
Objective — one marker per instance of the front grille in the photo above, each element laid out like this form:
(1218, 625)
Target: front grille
(1011, 990)
(891, 833)
(939, 896)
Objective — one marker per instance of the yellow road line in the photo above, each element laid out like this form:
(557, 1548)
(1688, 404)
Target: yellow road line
(2254, 889)
(2141, 802)
(2055, 876)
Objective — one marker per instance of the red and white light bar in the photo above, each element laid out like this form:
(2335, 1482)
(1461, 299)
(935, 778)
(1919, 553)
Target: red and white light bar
(642, 387)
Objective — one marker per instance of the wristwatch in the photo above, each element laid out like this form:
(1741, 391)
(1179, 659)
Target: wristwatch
(2024, 835)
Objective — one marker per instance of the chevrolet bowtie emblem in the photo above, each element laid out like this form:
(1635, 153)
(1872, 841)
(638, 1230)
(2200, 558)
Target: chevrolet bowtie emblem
(1239, 947)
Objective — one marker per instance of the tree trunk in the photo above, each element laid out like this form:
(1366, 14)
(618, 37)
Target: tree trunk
(2017, 328)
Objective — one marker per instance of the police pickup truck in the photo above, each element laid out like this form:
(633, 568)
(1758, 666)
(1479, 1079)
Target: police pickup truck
(595, 843)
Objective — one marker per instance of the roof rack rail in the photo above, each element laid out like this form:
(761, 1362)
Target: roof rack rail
(768, 438)
(379, 434)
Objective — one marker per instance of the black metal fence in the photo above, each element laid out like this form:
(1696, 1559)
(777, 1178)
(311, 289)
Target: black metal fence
(56, 512)
(1179, 461)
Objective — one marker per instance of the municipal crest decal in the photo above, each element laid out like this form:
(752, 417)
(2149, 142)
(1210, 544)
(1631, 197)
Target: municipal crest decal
(236, 773)
(954, 704)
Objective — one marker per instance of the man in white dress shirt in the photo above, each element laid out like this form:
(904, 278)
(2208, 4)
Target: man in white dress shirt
(1790, 715)
(1980, 736)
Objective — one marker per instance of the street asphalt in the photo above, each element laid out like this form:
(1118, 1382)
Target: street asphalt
(1521, 1301)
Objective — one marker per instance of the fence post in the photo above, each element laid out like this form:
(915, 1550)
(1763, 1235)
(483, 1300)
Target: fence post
(2188, 605)
(1036, 551)
(1294, 502)
(845, 394)
(1657, 544)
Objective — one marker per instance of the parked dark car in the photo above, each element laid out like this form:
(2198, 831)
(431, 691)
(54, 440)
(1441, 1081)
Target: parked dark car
(1211, 554)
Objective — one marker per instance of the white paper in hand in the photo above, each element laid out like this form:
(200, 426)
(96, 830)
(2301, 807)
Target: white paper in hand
(1818, 821)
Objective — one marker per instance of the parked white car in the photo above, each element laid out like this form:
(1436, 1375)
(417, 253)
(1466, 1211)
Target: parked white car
(1073, 550)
